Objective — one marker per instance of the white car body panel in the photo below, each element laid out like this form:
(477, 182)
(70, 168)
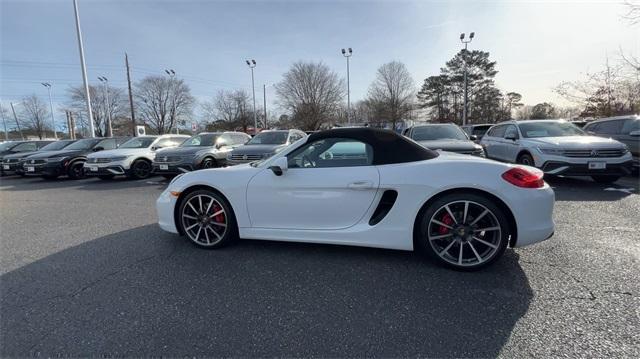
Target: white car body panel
(415, 182)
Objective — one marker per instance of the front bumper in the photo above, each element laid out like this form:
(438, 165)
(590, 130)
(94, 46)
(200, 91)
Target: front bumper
(45, 169)
(165, 206)
(12, 168)
(173, 168)
(120, 168)
(583, 169)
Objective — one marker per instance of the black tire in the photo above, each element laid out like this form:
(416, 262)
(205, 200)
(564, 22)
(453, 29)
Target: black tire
(140, 169)
(76, 170)
(438, 249)
(526, 159)
(605, 179)
(168, 176)
(222, 238)
(106, 177)
(208, 163)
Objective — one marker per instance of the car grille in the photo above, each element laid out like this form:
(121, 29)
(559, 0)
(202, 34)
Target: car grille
(607, 152)
(168, 159)
(241, 157)
(35, 162)
(11, 160)
(99, 160)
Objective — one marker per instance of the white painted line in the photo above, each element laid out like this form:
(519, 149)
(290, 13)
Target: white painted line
(624, 190)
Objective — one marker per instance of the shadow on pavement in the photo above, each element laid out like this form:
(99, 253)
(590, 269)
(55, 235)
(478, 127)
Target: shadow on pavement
(584, 189)
(15, 183)
(143, 292)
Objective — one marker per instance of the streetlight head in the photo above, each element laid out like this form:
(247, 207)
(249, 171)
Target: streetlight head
(173, 72)
(248, 63)
(343, 51)
(462, 36)
(350, 51)
(471, 35)
(167, 72)
(253, 61)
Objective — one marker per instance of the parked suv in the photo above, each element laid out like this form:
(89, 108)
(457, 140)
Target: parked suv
(558, 148)
(205, 150)
(12, 164)
(132, 159)
(478, 130)
(625, 129)
(69, 160)
(446, 137)
(264, 145)
(12, 147)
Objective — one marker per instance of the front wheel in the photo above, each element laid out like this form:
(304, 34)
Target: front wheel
(140, 169)
(206, 218)
(207, 163)
(76, 170)
(464, 231)
(526, 159)
(605, 179)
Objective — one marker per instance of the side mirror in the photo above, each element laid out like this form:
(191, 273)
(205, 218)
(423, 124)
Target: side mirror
(220, 145)
(155, 148)
(634, 133)
(473, 137)
(280, 166)
(99, 148)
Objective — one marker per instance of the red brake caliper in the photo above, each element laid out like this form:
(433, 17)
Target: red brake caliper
(446, 219)
(220, 217)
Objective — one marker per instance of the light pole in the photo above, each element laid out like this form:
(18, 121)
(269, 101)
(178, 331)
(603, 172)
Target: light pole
(252, 65)
(171, 75)
(464, 108)
(84, 69)
(53, 122)
(347, 53)
(107, 106)
(4, 122)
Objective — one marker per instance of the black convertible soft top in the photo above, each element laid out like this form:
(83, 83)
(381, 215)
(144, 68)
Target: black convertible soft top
(388, 146)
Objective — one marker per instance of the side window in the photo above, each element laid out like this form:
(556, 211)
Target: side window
(608, 127)
(27, 146)
(332, 152)
(497, 131)
(163, 143)
(177, 141)
(121, 140)
(511, 132)
(630, 125)
(108, 144)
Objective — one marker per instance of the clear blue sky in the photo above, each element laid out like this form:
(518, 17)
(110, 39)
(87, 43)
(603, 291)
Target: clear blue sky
(536, 44)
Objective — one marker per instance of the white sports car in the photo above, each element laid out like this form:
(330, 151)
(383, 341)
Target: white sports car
(366, 187)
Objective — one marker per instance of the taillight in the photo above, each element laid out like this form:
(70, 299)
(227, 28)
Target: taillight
(524, 177)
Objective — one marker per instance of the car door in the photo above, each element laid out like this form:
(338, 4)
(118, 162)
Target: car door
(493, 141)
(510, 144)
(629, 135)
(330, 184)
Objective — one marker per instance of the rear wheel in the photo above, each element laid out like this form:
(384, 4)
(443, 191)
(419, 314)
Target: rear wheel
(140, 169)
(206, 218)
(605, 179)
(76, 170)
(526, 159)
(207, 163)
(464, 231)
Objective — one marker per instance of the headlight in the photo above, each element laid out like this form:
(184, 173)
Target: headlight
(56, 159)
(625, 149)
(551, 151)
(119, 158)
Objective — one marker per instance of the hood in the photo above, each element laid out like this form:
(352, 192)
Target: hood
(450, 145)
(59, 153)
(257, 149)
(20, 154)
(119, 152)
(183, 150)
(575, 142)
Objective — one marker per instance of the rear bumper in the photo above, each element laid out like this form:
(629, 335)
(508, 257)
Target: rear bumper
(534, 217)
(582, 169)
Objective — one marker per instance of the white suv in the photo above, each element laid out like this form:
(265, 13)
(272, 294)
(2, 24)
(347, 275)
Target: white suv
(132, 159)
(558, 148)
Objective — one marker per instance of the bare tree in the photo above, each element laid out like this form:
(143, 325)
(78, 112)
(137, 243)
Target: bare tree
(163, 102)
(229, 109)
(116, 107)
(393, 91)
(312, 93)
(35, 115)
(633, 12)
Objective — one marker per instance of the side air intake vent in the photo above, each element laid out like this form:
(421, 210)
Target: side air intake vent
(386, 202)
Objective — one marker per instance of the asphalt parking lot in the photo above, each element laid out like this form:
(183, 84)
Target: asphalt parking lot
(85, 271)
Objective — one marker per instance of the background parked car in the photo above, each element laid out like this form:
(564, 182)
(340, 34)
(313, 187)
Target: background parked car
(12, 164)
(12, 147)
(558, 148)
(264, 145)
(70, 160)
(132, 159)
(205, 150)
(445, 137)
(625, 129)
(477, 130)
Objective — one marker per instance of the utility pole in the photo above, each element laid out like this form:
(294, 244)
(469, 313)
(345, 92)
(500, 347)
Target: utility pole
(464, 108)
(53, 122)
(4, 122)
(133, 116)
(172, 75)
(84, 69)
(264, 95)
(16, 118)
(107, 106)
(252, 65)
(347, 53)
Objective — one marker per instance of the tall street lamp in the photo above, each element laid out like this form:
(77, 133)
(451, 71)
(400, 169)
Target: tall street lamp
(172, 75)
(107, 106)
(252, 65)
(53, 122)
(465, 42)
(347, 53)
(83, 66)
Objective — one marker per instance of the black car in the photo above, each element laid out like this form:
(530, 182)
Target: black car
(12, 147)
(625, 129)
(205, 150)
(445, 137)
(264, 145)
(12, 164)
(477, 130)
(70, 160)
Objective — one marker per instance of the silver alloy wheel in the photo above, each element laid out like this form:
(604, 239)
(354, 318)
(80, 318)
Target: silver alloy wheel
(204, 220)
(464, 233)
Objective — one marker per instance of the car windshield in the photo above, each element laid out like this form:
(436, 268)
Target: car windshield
(436, 132)
(82, 144)
(138, 142)
(549, 129)
(269, 138)
(207, 140)
(54, 146)
(7, 145)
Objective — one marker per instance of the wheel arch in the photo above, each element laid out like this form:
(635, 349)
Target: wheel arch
(191, 189)
(523, 151)
(499, 202)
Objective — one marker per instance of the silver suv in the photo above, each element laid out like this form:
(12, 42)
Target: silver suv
(558, 148)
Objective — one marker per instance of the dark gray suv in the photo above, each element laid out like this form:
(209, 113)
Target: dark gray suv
(625, 129)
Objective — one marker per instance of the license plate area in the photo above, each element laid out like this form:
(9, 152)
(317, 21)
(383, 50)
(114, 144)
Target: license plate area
(164, 167)
(5, 167)
(30, 169)
(93, 169)
(597, 165)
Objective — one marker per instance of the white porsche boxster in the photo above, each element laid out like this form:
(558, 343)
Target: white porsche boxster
(366, 187)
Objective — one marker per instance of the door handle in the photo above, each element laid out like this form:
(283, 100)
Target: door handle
(360, 185)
